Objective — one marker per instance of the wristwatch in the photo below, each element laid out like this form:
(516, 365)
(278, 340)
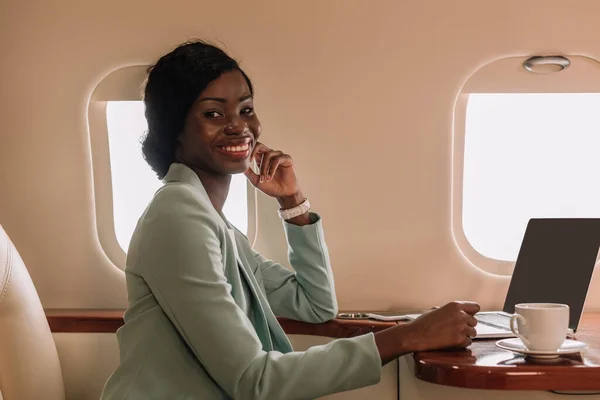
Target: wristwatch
(295, 211)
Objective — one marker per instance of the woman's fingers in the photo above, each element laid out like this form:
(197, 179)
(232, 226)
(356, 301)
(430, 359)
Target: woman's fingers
(259, 148)
(471, 332)
(471, 320)
(274, 163)
(277, 161)
(268, 161)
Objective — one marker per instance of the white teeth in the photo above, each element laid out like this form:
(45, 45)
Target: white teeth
(233, 149)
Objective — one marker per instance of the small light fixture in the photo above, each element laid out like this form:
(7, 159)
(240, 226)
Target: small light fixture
(546, 64)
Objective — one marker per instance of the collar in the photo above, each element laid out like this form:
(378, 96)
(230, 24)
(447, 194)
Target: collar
(182, 173)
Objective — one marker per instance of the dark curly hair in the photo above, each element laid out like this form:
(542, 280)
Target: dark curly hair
(172, 86)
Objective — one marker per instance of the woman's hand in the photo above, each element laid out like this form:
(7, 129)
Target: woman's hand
(277, 178)
(451, 326)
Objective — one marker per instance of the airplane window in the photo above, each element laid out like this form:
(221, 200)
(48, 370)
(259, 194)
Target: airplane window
(527, 155)
(134, 183)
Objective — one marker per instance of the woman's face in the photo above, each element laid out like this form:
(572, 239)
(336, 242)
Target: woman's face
(221, 127)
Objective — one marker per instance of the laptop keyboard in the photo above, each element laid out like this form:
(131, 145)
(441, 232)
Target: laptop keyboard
(499, 321)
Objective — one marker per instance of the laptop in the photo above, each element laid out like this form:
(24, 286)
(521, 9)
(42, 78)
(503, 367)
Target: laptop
(555, 265)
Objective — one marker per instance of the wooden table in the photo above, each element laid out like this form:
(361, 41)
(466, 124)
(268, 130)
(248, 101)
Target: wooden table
(485, 366)
(108, 321)
(481, 366)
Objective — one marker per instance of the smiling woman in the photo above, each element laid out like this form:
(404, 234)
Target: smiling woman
(195, 283)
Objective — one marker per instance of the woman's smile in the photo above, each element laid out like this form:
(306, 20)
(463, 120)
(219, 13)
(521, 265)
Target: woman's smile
(237, 152)
(238, 149)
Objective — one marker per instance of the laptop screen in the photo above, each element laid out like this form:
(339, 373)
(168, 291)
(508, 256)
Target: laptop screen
(555, 264)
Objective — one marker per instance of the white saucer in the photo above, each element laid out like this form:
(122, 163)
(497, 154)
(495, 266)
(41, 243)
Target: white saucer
(516, 345)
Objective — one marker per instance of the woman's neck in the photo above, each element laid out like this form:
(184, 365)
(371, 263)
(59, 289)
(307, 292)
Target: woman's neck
(216, 186)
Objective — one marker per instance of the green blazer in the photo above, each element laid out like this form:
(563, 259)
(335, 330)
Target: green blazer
(201, 319)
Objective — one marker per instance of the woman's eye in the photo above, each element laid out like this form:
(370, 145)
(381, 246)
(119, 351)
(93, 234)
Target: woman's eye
(212, 114)
(247, 110)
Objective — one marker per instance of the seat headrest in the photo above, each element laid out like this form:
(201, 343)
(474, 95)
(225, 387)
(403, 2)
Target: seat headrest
(29, 365)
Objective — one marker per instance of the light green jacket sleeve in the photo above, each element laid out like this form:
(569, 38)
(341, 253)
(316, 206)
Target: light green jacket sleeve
(182, 264)
(308, 294)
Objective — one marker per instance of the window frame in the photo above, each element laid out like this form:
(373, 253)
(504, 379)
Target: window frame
(503, 75)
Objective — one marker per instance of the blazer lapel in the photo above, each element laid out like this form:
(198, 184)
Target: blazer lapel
(262, 326)
(282, 342)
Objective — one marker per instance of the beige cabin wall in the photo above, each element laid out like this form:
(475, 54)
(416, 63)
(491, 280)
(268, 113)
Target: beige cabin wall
(361, 93)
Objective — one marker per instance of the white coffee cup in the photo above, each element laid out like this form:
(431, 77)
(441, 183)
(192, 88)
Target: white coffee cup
(541, 326)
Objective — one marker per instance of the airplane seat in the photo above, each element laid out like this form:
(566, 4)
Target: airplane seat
(29, 364)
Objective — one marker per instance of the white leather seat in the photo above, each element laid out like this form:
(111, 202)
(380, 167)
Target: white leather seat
(29, 365)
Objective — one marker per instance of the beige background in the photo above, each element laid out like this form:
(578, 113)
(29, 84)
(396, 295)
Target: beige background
(361, 93)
